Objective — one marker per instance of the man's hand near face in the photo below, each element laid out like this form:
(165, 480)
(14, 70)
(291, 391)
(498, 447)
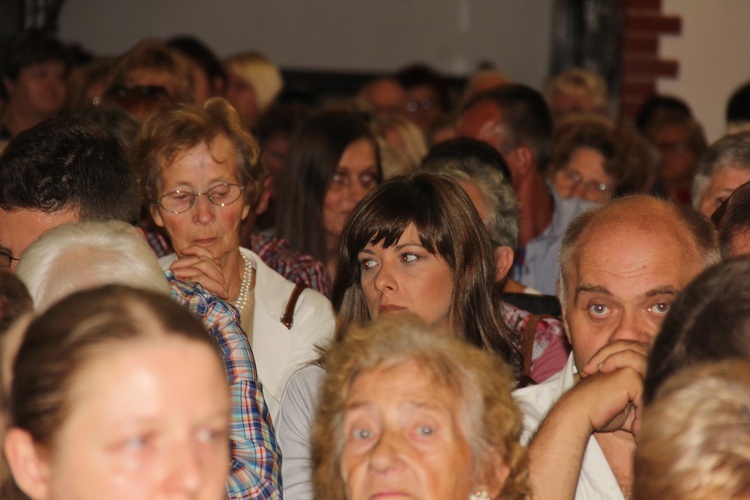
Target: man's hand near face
(607, 398)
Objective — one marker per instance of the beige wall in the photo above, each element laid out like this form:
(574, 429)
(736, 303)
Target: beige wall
(380, 35)
(714, 55)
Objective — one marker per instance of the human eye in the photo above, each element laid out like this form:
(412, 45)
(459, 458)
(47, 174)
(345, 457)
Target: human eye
(339, 177)
(138, 442)
(369, 179)
(179, 196)
(220, 193)
(361, 433)
(425, 430)
(367, 263)
(660, 308)
(211, 434)
(719, 200)
(410, 257)
(598, 310)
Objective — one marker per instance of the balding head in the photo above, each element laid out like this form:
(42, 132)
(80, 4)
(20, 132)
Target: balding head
(638, 217)
(623, 264)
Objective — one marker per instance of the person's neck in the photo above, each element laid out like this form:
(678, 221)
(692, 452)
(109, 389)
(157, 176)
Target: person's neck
(513, 286)
(537, 206)
(16, 122)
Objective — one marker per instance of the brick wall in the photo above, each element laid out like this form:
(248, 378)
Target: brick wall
(645, 23)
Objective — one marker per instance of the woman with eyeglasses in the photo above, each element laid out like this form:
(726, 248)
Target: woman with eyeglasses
(200, 170)
(594, 160)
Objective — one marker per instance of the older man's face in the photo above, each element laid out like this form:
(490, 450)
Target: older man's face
(18, 228)
(623, 282)
(721, 186)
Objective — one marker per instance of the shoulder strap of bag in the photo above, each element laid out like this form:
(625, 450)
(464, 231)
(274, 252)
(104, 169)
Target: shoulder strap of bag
(288, 318)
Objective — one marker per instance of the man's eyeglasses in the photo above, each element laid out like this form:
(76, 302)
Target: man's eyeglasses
(178, 202)
(6, 259)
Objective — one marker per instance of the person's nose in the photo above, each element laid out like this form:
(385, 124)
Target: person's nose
(386, 454)
(357, 191)
(203, 210)
(578, 190)
(632, 327)
(385, 280)
(185, 471)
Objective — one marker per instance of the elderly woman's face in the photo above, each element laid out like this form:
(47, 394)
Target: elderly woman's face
(584, 176)
(406, 278)
(148, 420)
(206, 225)
(403, 437)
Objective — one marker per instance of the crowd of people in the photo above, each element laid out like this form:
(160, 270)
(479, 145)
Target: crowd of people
(212, 287)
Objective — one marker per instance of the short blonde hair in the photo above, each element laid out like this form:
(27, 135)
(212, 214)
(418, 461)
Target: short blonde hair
(74, 257)
(580, 81)
(480, 381)
(414, 143)
(260, 72)
(695, 438)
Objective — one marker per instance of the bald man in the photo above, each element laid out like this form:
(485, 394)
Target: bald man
(622, 265)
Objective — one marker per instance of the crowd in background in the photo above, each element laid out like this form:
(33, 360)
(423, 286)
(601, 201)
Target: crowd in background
(497, 293)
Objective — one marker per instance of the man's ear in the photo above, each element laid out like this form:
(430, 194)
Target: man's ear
(265, 197)
(504, 257)
(563, 303)
(524, 160)
(30, 470)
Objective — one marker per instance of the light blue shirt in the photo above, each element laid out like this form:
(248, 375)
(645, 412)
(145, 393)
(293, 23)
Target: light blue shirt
(541, 268)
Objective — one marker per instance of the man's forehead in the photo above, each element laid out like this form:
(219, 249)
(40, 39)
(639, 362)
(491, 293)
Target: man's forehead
(18, 228)
(663, 257)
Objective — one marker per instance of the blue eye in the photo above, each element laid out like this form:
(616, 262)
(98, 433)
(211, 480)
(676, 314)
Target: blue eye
(425, 430)
(136, 443)
(208, 435)
(598, 310)
(361, 434)
(660, 308)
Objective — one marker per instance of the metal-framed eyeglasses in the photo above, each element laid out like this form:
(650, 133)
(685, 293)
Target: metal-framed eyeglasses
(592, 187)
(6, 258)
(221, 195)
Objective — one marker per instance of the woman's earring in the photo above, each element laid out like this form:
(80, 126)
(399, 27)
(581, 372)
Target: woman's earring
(479, 495)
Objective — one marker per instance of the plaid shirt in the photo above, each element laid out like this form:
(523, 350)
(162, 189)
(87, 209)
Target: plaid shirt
(295, 266)
(256, 456)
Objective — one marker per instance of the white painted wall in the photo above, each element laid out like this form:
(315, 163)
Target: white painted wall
(713, 54)
(368, 35)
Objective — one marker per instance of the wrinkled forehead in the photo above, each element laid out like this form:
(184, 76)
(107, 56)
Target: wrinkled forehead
(630, 251)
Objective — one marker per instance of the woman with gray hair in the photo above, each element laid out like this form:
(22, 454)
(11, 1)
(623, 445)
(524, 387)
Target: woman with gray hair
(404, 411)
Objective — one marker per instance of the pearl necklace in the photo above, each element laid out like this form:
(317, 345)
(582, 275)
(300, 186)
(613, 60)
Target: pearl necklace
(248, 281)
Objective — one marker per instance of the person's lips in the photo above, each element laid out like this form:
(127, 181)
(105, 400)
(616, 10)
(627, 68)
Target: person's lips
(390, 308)
(389, 494)
(204, 242)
